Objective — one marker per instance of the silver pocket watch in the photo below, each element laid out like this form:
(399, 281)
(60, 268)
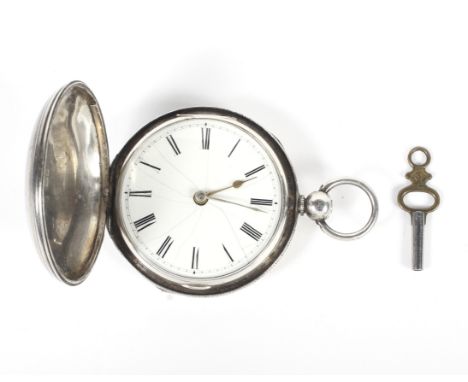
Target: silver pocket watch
(201, 201)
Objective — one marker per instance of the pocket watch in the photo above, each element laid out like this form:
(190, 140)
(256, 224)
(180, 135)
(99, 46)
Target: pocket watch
(201, 201)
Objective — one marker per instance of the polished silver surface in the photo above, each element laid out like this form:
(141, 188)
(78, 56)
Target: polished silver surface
(69, 183)
(318, 205)
(373, 216)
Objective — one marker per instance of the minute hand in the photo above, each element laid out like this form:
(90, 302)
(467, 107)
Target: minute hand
(235, 184)
(237, 204)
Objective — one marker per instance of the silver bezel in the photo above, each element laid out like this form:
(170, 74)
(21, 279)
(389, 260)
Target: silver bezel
(243, 276)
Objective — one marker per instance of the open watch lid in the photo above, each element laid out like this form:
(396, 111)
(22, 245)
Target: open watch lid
(69, 182)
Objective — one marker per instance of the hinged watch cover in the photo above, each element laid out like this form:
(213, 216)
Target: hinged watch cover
(69, 182)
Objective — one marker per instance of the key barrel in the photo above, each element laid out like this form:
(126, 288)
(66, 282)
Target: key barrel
(418, 220)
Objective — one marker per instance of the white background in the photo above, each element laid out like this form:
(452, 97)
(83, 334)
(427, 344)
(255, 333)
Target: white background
(348, 87)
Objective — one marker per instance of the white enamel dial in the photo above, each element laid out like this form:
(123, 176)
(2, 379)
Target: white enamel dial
(200, 198)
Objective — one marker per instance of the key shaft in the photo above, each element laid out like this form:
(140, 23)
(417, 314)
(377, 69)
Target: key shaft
(418, 220)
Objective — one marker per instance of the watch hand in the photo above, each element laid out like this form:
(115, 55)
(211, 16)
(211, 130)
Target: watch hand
(235, 184)
(237, 204)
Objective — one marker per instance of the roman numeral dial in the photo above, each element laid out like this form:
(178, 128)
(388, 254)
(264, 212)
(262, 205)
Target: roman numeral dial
(206, 136)
(195, 258)
(140, 194)
(173, 144)
(261, 202)
(144, 222)
(151, 166)
(200, 198)
(227, 253)
(254, 171)
(251, 231)
(165, 246)
(235, 146)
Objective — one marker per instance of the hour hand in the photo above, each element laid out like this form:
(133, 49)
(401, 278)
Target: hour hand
(235, 184)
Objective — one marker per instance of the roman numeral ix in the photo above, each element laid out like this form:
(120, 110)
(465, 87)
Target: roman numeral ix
(165, 246)
(252, 232)
(261, 202)
(254, 171)
(206, 134)
(173, 144)
(144, 222)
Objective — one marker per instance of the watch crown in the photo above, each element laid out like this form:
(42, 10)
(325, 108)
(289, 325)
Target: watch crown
(318, 206)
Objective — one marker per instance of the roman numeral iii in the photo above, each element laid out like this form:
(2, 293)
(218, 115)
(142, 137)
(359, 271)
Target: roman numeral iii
(261, 202)
(173, 144)
(206, 134)
(251, 231)
(144, 222)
